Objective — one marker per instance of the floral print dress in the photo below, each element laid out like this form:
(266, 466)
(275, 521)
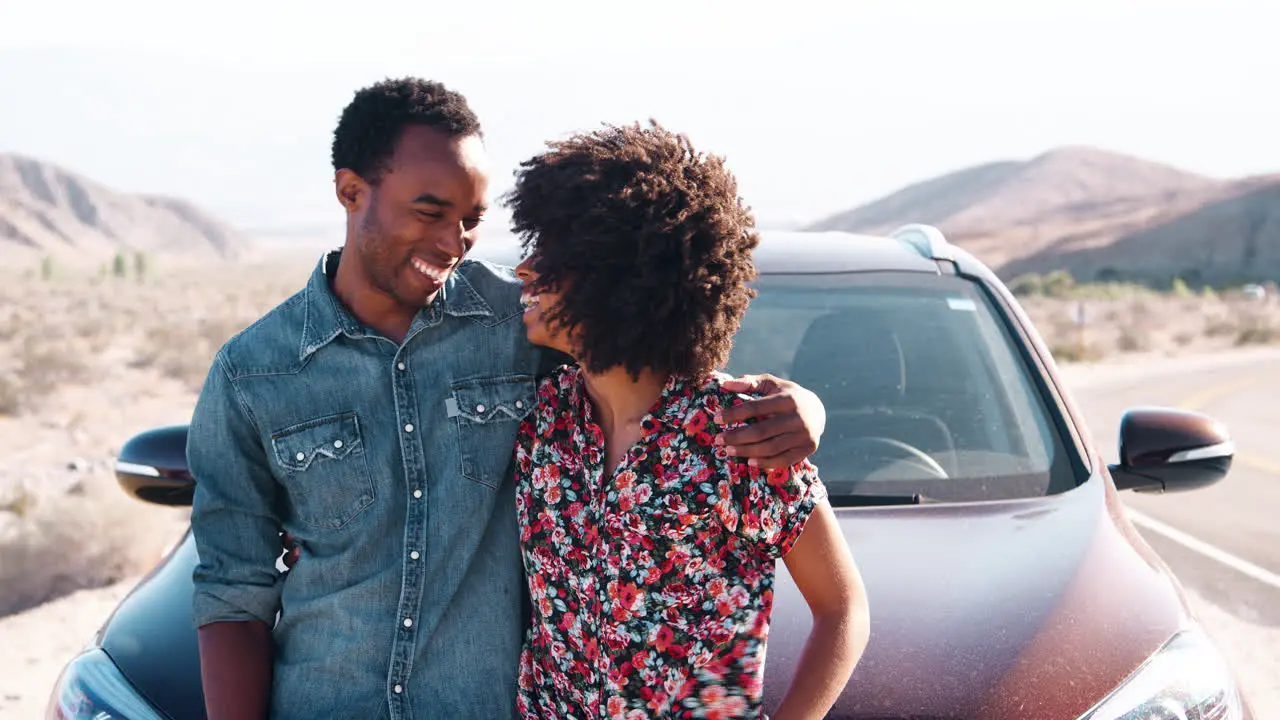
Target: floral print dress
(652, 585)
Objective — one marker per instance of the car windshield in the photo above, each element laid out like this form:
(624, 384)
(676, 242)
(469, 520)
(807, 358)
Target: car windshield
(925, 389)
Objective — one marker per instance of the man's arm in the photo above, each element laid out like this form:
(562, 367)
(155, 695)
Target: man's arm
(235, 669)
(237, 586)
(789, 421)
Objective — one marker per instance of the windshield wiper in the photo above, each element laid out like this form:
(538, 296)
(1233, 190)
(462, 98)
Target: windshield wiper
(875, 499)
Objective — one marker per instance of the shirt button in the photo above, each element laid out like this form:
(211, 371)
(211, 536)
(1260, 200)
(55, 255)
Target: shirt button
(408, 622)
(479, 408)
(337, 443)
(408, 428)
(417, 493)
(519, 404)
(414, 555)
(301, 456)
(399, 366)
(397, 689)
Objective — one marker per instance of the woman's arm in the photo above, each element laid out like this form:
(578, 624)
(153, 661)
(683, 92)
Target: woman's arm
(824, 572)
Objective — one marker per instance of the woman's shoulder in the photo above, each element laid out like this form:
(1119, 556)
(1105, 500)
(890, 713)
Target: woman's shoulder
(702, 402)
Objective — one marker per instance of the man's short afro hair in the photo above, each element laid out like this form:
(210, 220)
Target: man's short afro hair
(648, 243)
(371, 124)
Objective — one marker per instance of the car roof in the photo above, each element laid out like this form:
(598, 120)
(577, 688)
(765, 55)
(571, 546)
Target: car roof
(790, 251)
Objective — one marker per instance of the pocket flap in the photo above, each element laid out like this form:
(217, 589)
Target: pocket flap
(334, 436)
(485, 400)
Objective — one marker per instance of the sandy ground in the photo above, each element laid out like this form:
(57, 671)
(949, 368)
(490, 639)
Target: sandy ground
(37, 643)
(86, 362)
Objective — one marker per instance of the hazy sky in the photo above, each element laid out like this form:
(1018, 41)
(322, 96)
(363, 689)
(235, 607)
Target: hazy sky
(818, 107)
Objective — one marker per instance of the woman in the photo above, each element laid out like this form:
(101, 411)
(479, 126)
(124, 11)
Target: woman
(650, 551)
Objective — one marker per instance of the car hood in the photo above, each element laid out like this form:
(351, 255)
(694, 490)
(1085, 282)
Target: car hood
(153, 641)
(1033, 608)
(1013, 609)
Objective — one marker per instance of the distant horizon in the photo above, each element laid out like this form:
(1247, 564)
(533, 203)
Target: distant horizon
(311, 226)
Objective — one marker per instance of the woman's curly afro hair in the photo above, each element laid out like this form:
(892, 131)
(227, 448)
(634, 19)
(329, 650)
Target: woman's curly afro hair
(647, 242)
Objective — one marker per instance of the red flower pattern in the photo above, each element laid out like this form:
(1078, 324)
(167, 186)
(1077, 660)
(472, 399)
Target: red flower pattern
(651, 585)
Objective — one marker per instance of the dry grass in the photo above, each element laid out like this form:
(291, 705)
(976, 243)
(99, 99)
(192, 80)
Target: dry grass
(87, 361)
(1142, 321)
(80, 534)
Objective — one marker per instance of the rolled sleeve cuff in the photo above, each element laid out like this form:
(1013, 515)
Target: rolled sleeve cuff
(796, 520)
(236, 604)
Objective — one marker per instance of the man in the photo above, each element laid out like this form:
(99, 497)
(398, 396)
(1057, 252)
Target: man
(372, 416)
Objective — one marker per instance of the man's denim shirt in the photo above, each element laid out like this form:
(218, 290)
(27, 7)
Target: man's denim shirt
(391, 465)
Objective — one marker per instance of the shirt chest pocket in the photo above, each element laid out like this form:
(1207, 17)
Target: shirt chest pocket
(487, 413)
(325, 474)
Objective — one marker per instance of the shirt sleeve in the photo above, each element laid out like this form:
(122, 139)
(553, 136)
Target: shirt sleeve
(236, 531)
(769, 508)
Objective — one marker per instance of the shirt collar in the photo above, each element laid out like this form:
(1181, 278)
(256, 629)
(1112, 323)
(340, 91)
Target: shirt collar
(326, 317)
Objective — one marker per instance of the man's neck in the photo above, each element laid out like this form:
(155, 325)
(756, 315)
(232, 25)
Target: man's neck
(621, 401)
(375, 309)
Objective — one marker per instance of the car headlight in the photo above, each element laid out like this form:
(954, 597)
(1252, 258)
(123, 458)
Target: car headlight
(1187, 679)
(91, 687)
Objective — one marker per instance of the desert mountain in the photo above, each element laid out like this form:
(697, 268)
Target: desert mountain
(46, 209)
(1073, 206)
(1001, 194)
(1235, 238)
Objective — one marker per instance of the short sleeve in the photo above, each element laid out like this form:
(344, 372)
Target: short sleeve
(769, 508)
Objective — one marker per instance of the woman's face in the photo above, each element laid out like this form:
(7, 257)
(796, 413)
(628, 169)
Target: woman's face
(537, 328)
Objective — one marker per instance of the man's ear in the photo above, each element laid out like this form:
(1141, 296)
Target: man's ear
(351, 189)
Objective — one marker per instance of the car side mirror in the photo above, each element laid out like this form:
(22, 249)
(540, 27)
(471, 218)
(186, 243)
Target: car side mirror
(152, 467)
(1168, 450)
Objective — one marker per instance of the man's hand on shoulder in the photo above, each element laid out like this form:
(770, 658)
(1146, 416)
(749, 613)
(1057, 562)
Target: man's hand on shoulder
(789, 421)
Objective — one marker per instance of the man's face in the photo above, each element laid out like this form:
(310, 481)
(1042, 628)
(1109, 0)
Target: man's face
(412, 229)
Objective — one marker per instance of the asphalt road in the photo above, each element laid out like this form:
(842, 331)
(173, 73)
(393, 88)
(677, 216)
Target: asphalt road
(1222, 542)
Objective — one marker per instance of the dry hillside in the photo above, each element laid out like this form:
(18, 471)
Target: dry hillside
(1091, 212)
(48, 210)
(1233, 239)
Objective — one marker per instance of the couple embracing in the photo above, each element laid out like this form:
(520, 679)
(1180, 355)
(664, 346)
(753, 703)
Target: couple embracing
(513, 492)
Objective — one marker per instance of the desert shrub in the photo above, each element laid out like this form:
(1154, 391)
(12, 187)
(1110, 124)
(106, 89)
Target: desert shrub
(39, 363)
(1029, 285)
(1070, 352)
(1257, 331)
(1058, 283)
(1219, 326)
(1133, 339)
(183, 349)
(84, 535)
